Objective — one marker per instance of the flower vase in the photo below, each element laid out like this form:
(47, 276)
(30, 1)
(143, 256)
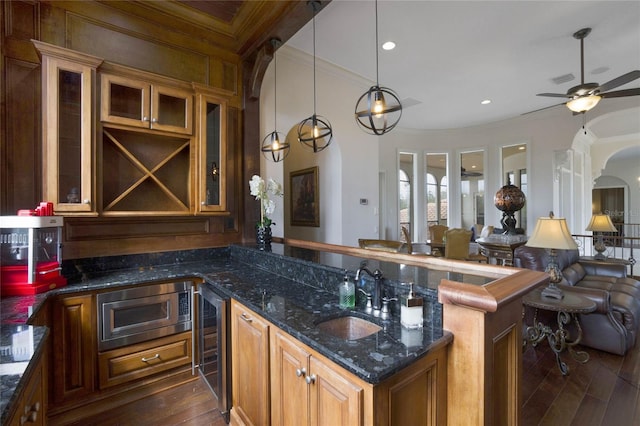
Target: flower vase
(263, 235)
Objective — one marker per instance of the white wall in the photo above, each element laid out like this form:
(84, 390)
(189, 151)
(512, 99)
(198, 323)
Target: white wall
(349, 168)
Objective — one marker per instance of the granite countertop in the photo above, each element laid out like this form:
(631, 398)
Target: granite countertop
(289, 290)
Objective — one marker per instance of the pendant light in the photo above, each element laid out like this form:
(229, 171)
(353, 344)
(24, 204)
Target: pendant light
(275, 146)
(378, 110)
(315, 132)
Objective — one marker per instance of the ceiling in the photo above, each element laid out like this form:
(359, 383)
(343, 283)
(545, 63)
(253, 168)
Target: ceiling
(451, 55)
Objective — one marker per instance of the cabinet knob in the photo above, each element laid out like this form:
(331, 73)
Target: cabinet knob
(86, 201)
(154, 120)
(301, 372)
(145, 118)
(311, 379)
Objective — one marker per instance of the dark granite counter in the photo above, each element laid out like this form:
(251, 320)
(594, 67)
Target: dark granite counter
(291, 287)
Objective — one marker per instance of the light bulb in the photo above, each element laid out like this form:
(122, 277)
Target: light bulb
(316, 132)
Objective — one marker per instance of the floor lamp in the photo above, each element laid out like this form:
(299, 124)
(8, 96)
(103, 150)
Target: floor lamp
(553, 234)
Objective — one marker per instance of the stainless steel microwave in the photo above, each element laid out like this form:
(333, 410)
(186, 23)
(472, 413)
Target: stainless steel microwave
(137, 314)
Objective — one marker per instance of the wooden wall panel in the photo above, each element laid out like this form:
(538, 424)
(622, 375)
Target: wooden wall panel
(22, 148)
(114, 45)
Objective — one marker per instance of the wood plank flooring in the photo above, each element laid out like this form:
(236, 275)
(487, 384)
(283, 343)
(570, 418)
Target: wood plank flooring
(605, 391)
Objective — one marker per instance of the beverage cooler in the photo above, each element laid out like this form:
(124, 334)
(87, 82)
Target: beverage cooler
(30, 254)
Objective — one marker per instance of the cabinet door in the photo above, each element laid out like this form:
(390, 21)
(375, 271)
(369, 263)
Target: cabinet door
(31, 404)
(334, 400)
(68, 131)
(289, 367)
(171, 110)
(73, 346)
(250, 367)
(125, 101)
(140, 103)
(212, 151)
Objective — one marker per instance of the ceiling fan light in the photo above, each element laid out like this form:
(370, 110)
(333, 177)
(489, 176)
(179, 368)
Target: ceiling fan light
(583, 103)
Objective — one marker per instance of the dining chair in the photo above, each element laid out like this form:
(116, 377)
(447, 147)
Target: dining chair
(458, 246)
(436, 236)
(407, 239)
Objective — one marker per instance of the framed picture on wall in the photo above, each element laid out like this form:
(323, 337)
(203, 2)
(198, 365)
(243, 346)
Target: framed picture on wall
(305, 203)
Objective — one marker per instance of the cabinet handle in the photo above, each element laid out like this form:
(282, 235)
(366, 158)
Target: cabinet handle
(156, 356)
(311, 379)
(246, 317)
(301, 372)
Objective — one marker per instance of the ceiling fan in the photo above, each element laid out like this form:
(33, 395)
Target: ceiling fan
(465, 173)
(585, 96)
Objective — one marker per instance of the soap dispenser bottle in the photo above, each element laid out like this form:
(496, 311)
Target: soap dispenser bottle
(411, 310)
(347, 293)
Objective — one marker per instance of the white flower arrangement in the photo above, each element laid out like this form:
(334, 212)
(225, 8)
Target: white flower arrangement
(261, 191)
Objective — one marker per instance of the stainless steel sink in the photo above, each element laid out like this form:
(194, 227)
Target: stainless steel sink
(348, 327)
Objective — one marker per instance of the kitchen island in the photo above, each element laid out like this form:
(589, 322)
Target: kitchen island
(292, 287)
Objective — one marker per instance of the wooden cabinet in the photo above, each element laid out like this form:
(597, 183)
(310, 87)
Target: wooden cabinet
(68, 128)
(145, 104)
(74, 341)
(211, 142)
(32, 400)
(250, 367)
(310, 390)
(137, 361)
(303, 387)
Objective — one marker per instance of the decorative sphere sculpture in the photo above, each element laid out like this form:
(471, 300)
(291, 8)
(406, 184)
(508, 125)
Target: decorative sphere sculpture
(509, 199)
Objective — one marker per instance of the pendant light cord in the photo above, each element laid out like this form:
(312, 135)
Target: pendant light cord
(275, 91)
(314, 59)
(377, 71)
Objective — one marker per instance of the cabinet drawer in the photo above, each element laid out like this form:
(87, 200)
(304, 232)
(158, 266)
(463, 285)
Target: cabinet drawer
(137, 361)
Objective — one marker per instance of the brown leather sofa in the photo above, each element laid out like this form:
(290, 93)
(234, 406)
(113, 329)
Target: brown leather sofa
(613, 327)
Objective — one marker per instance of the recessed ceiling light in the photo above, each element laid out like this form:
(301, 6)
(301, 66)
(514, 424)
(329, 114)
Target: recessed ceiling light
(388, 45)
(486, 102)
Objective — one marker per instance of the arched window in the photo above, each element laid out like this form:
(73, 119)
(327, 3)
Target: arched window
(404, 192)
(431, 198)
(444, 200)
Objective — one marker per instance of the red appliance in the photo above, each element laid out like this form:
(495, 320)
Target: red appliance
(30, 254)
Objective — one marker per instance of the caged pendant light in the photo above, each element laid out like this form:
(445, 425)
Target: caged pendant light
(378, 110)
(275, 146)
(315, 132)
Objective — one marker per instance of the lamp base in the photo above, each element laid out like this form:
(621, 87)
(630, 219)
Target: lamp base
(600, 256)
(552, 292)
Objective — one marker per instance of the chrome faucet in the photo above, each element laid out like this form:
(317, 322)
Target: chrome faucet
(377, 288)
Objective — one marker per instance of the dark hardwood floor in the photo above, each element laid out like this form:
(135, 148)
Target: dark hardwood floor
(605, 391)
(190, 404)
(602, 392)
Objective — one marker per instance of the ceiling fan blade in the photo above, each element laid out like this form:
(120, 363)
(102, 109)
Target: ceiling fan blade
(554, 95)
(621, 93)
(542, 109)
(619, 81)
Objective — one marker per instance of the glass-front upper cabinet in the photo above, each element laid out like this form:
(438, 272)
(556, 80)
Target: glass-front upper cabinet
(68, 131)
(212, 151)
(141, 103)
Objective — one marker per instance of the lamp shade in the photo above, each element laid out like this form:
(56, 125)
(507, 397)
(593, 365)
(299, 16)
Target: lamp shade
(601, 223)
(552, 233)
(583, 103)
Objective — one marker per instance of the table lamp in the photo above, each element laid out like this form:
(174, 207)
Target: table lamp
(600, 223)
(553, 234)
